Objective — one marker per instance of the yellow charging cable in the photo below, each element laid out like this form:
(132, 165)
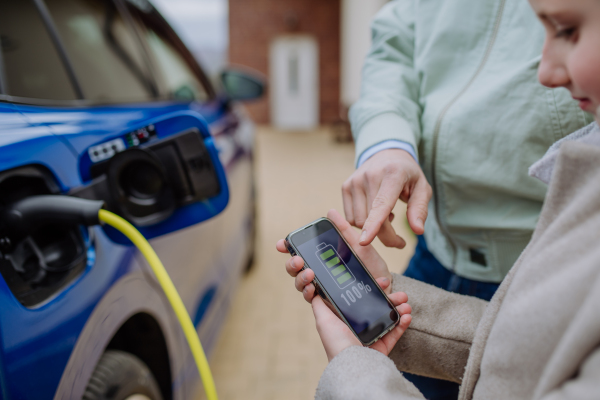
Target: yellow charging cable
(167, 285)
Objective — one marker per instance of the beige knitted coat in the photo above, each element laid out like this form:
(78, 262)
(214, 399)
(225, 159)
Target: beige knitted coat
(538, 338)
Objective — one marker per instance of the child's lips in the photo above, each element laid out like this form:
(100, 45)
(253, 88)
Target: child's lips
(585, 104)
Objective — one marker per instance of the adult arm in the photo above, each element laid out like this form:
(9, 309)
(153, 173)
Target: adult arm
(388, 110)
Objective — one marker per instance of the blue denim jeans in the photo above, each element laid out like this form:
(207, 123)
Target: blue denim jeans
(426, 268)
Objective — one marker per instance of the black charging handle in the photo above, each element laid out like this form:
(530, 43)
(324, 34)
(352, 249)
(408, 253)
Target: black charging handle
(24, 216)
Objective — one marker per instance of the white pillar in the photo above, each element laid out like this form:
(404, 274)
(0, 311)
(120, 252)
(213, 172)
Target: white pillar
(356, 40)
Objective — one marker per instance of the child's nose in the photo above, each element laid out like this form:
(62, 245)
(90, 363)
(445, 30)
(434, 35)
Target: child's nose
(552, 74)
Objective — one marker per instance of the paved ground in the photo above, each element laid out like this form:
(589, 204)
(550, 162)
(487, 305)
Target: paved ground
(269, 348)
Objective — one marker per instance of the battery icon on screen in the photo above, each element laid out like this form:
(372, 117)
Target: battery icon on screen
(333, 263)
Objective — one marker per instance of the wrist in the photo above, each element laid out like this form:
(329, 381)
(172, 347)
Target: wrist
(398, 153)
(340, 349)
(388, 157)
(384, 146)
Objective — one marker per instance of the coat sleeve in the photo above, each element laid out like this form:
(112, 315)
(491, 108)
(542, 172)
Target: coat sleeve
(388, 108)
(359, 373)
(439, 338)
(584, 385)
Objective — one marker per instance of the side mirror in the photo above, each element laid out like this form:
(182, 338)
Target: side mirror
(242, 85)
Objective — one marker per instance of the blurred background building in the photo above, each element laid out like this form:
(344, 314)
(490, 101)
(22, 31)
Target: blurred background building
(311, 51)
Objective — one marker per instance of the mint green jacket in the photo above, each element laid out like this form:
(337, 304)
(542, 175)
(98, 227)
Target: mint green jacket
(458, 81)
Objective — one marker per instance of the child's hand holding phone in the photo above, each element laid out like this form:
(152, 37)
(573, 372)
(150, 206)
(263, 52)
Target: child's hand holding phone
(336, 334)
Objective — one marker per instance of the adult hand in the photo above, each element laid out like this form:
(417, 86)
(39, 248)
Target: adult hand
(371, 192)
(369, 256)
(336, 336)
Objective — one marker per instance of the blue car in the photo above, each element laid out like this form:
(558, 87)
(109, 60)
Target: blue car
(100, 99)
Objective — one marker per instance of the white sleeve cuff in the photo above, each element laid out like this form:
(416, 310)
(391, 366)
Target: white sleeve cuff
(388, 144)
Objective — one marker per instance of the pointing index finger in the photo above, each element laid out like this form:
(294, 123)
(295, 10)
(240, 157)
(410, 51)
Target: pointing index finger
(383, 204)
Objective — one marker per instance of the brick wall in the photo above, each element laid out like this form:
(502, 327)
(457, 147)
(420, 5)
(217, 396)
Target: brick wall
(254, 23)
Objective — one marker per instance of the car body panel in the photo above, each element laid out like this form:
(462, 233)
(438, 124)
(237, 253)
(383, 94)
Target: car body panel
(131, 294)
(23, 143)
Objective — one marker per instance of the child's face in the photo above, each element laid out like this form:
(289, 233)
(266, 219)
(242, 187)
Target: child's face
(571, 56)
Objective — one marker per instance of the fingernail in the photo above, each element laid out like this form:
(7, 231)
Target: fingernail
(363, 236)
(292, 263)
(420, 221)
(385, 279)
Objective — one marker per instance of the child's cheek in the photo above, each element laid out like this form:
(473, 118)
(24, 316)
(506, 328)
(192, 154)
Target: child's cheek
(583, 65)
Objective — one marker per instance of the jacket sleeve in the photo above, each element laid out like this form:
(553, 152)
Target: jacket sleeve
(388, 108)
(359, 373)
(439, 338)
(584, 385)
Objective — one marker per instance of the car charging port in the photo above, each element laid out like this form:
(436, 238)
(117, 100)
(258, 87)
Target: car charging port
(148, 180)
(38, 254)
(42, 258)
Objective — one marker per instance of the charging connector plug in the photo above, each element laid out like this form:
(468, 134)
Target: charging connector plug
(23, 217)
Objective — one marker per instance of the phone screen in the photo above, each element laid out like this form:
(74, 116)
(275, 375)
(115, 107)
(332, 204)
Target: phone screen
(354, 292)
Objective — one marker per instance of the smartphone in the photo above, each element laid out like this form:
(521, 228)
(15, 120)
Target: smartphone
(342, 280)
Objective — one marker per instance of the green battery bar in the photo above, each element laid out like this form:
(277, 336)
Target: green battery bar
(333, 263)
